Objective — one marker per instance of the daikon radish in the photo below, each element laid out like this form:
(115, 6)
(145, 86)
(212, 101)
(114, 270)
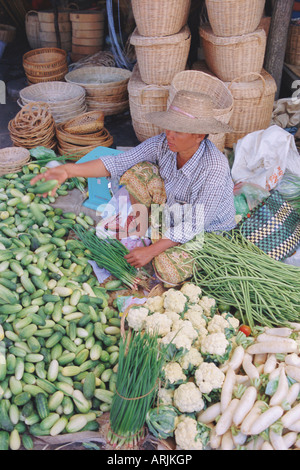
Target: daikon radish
(290, 438)
(227, 441)
(252, 416)
(255, 444)
(239, 439)
(295, 427)
(291, 416)
(270, 364)
(214, 440)
(245, 405)
(225, 420)
(283, 332)
(266, 446)
(227, 389)
(293, 372)
(280, 346)
(266, 419)
(293, 393)
(260, 359)
(237, 358)
(282, 389)
(277, 441)
(292, 360)
(249, 367)
(210, 414)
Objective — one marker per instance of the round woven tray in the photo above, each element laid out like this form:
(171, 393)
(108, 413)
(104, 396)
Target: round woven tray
(86, 123)
(12, 159)
(100, 77)
(101, 137)
(109, 109)
(56, 94)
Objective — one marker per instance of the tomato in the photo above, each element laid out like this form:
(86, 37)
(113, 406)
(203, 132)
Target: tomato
(245, 329)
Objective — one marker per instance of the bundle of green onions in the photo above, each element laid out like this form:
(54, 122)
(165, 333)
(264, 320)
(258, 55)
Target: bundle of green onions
(139, 368)
(234, 271)
(109, 254)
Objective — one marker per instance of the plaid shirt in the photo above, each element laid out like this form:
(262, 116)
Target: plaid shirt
(202, 186)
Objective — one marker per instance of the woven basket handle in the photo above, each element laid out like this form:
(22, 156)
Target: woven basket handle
(258, 75)
(72, 5)
(30, 11)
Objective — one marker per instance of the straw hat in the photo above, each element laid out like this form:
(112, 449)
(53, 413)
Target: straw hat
(189, 112)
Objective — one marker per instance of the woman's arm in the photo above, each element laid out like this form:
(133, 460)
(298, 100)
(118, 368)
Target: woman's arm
(141, 256)
(92, 169)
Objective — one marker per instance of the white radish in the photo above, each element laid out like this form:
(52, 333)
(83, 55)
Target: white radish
(282, 389)
(252, 416)
(249, 367)
(260, 359)
(227, 389)
(297, 444)
(293, 372)
(280, 346)
(277, 441)
(210, 414)
(290, 438)
(295, 326)
(265, 337)
(237, 358)
(270, 364)
(295, 427)
(242, 379)
(215, 440)
(245, 405)
(266, 419)
(239, 439)
(283, 332)
(266, 446)
(291, 416)
(292, 360)
(227, 441)
(255, 444)
(293, 393)
(274, 374)
(225, 420)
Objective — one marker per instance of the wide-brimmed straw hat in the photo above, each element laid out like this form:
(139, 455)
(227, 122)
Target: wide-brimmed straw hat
(189, 112)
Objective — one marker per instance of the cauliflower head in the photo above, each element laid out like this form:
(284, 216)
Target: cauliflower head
(173, 373)
(194, 314)
(172, 315)
(175, 300)
(187, 435)
(158, 323)
(179, 340)
(208, 304)
(186, 328)
(216, 348)
(136, 317)
(209, 377)
(192, 292)
(191, 359)
(188, 398)
(217, 324)
(155, 304)
(165, 396)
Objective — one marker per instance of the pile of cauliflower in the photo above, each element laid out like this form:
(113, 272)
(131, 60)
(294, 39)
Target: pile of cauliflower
(197, 340)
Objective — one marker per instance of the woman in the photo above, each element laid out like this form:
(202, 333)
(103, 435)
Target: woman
(179, 169)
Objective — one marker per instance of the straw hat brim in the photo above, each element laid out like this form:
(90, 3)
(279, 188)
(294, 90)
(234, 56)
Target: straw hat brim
(180, 123)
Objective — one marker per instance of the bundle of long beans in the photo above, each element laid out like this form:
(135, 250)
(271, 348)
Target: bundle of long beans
(109, 254)
(139, 368)
(232, 270)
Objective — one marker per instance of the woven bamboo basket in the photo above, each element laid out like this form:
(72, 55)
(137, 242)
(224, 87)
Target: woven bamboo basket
(101, 137)
(87, 16)
(145, 99)
(66, 100)
(231, 57)
(63, 27)
(292, 55)
(85, 123)
(33, 126)
(44, 60)
(48, 16)
(12, 159)
(160, 58)
(83, 26)
(252, 106)
(160, 17)
(32, 28)
(197, 81)
(234, 17)
(7, 33)
(109, 109)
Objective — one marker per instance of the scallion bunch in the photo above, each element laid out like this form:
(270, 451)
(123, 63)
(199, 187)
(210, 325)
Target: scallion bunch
(139, 368)
(109, 253)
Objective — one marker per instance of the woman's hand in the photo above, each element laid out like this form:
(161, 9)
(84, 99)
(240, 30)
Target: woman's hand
(58, 173)
(140, 256)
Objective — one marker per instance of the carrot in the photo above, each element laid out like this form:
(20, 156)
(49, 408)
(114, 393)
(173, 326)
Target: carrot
(245, 405)
(266, 419)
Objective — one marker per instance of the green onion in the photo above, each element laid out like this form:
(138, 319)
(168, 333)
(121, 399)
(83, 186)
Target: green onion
(233, 270)
(139, 368)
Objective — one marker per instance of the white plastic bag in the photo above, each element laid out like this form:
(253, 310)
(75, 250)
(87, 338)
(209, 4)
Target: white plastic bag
(262, 157)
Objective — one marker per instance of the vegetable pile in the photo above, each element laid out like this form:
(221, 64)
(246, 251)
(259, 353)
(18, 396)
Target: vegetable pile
(234, 271)
(58, 335)
(222, 386)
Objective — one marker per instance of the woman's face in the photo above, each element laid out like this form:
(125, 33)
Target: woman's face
(181, 142)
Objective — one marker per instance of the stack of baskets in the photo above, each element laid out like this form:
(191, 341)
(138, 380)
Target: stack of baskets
(80, 135)
(106, 87)
(65, 100)
(162, 42)
(7, 33)
(12, 159)
(198, 81)
(87, 33)
(33, 126)
(234, 49)
(32, 28)
(292, 55)
(47, 34)
(45, 65)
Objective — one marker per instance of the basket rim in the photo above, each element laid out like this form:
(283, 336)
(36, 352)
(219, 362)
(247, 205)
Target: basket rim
(86, 70)
(43, 50)
(206, 33)
(137, 39)
(39, 88)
